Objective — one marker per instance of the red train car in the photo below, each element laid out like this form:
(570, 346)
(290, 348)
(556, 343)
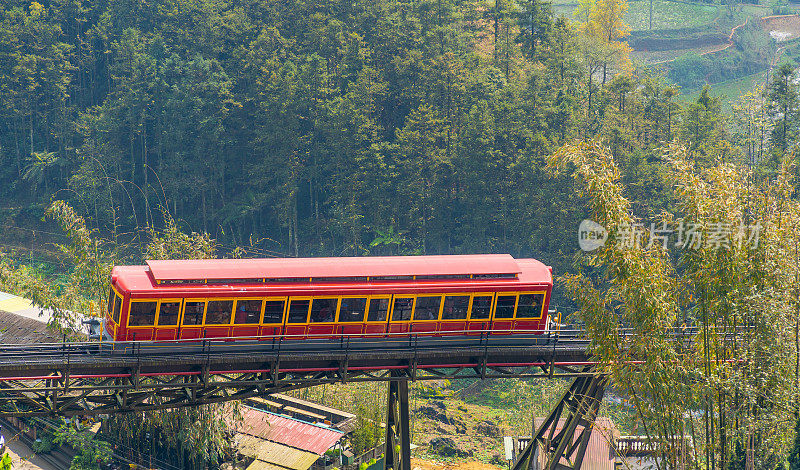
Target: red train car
(327, 297)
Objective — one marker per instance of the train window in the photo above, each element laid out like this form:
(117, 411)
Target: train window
(142, 314)
(455, 307)
(481, 307)
(193, 313)
(298, 311)
(273, 311)
(111, 296)
(219, 312)
(324, 310)
(402, 309)
(117, 308)
(378, 310)
(530, 305)
(168, 313)
(427, 308)
(352, 310)
(505, 306)
(247, 312)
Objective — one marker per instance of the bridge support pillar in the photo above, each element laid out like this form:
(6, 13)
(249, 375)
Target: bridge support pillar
(564, 443)
(398, 437)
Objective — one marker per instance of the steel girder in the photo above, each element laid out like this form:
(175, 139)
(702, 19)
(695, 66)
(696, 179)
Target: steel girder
(564, 444)
(71, 391)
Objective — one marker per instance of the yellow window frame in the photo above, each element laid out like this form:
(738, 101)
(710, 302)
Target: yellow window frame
(366, 309)
(497, 300)
(388, 310)
(456, 294)
(438, 314)
(516, 306)
(493, 296)
(284, 311)
(141, 301)
(335, 314)
(121, 298)
(236, 304)
(289, 307)
(158, 312)
(219, 299)
(183, 312)
(413, 305)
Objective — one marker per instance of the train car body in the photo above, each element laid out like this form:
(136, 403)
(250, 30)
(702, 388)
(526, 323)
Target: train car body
(312, 298)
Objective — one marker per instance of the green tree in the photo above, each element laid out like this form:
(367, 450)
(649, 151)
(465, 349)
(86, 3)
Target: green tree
(782, 103)
(535, 20)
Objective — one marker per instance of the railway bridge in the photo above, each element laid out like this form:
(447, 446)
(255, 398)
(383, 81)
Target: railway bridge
(83, 378)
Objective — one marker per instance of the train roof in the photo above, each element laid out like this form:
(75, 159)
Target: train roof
(160, 275)
(353, 267)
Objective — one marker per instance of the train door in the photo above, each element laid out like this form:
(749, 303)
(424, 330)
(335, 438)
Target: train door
(191, 326)
(142, 319)
(504, 313)
(297, 317)
(272, 323)
(454, 314)
(427, 309)
(480, 313)
(352, 313)
(322, 319)
(377, 315)
(529, 312)
(247, 315)
(402, 309)
(169, 312)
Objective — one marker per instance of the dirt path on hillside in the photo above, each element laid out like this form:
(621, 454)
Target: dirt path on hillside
(712, 51)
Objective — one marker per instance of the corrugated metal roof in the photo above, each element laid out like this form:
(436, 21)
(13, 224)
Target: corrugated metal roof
(261, 465)
(16, 329)
(274, 455)
(600, 453)
(288, 431)
(277, 268)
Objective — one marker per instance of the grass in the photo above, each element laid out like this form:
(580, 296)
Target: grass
(728, 91)
(669, 15)
(666, 14)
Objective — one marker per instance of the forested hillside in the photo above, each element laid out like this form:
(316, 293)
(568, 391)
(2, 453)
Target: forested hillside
(326, 127)
(333, 127)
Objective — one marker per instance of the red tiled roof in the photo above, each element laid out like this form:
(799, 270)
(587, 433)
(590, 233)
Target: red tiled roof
(288, 431)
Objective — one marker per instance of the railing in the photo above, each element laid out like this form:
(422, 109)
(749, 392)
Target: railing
(291, 342)
(347, 341)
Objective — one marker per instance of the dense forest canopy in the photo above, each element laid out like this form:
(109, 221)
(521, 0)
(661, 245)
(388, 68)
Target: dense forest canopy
(322, 128)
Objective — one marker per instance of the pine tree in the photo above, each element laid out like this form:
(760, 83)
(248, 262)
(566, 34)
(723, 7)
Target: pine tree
(535, 19)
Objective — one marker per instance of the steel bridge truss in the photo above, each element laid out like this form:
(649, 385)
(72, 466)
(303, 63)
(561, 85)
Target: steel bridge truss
(564, 443)
(135, 384)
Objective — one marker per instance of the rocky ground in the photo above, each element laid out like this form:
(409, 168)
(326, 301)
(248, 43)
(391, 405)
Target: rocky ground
(452, 430)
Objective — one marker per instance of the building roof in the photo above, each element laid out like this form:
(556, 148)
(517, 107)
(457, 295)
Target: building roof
(298, 268)
(18, 329)
(273, 455)
(287, 431)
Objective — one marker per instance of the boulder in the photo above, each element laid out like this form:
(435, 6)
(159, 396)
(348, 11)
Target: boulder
(489, 429)
(435, 413)
(447, 447)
